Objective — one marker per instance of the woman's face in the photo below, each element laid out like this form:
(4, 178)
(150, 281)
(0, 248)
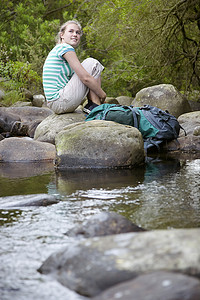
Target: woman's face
(71, 35)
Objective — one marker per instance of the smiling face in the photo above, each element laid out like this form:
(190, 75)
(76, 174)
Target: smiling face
(71, 35)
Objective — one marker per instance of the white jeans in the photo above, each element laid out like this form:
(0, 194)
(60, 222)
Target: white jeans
(75, 91)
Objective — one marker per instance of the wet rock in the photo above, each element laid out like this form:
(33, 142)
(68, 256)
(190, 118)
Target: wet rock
(189, 122)
(93, 265)
(103, 224)
(163, 96)
(48, 128)
(25, 149)
(155, 286)
(27, 200)
(99, 144)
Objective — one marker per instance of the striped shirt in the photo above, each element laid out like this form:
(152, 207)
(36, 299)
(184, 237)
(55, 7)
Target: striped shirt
(56, 71)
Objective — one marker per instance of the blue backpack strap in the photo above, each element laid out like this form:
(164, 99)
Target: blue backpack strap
(107, 110)
(136, 114)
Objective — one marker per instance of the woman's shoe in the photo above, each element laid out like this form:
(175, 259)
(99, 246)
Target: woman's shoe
(89, 107)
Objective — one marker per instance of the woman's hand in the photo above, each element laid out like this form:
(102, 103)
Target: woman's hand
(103, 98)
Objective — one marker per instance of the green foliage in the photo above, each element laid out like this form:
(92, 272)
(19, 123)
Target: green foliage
(12, 96)
(140, 42)
(20, 73)
(157, 41)
(17, 76)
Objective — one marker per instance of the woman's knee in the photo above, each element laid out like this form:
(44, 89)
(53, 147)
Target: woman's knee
(90, 60)
(93, 66)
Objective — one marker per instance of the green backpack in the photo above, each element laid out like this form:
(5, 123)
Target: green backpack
(155, 125)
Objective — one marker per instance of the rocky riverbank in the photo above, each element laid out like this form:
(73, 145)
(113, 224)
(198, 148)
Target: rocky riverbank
(30, 133)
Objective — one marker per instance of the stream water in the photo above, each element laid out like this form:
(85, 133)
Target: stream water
(165, 194)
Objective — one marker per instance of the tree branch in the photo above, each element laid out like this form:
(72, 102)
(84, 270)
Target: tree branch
(57, 9)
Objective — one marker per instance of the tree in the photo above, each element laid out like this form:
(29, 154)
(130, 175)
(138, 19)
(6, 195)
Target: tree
(147, 42)
(27, 34)
(180, 30)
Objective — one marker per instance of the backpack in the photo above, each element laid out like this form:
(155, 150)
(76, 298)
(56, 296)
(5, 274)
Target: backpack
(155, 125)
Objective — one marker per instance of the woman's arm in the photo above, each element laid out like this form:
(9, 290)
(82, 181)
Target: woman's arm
(84, 76)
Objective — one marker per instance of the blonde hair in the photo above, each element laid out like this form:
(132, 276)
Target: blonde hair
(63, 28)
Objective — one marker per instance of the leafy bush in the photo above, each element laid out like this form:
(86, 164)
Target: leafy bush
(17, 76)
(20, 75)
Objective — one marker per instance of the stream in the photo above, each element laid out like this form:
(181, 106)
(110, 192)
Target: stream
(164, 194)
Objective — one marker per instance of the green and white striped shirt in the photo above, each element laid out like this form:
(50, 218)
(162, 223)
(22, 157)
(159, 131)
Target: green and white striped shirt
(56, 71)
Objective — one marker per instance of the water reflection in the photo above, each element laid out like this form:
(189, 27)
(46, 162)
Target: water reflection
(70, 181)
(158, 167)
(169, 196)
(24, 178)
(24, 170)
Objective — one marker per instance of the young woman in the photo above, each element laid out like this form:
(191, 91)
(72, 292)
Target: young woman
(66, 81)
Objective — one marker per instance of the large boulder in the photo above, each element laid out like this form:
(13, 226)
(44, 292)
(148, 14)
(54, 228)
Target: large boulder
(95, 264)
(189, 121)
(25, 149)
(22, 121)
(99, 144)
(125, 100)
(155, 286)
(190, 143)
(163, 96)
(28, 114)
(48, 128)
